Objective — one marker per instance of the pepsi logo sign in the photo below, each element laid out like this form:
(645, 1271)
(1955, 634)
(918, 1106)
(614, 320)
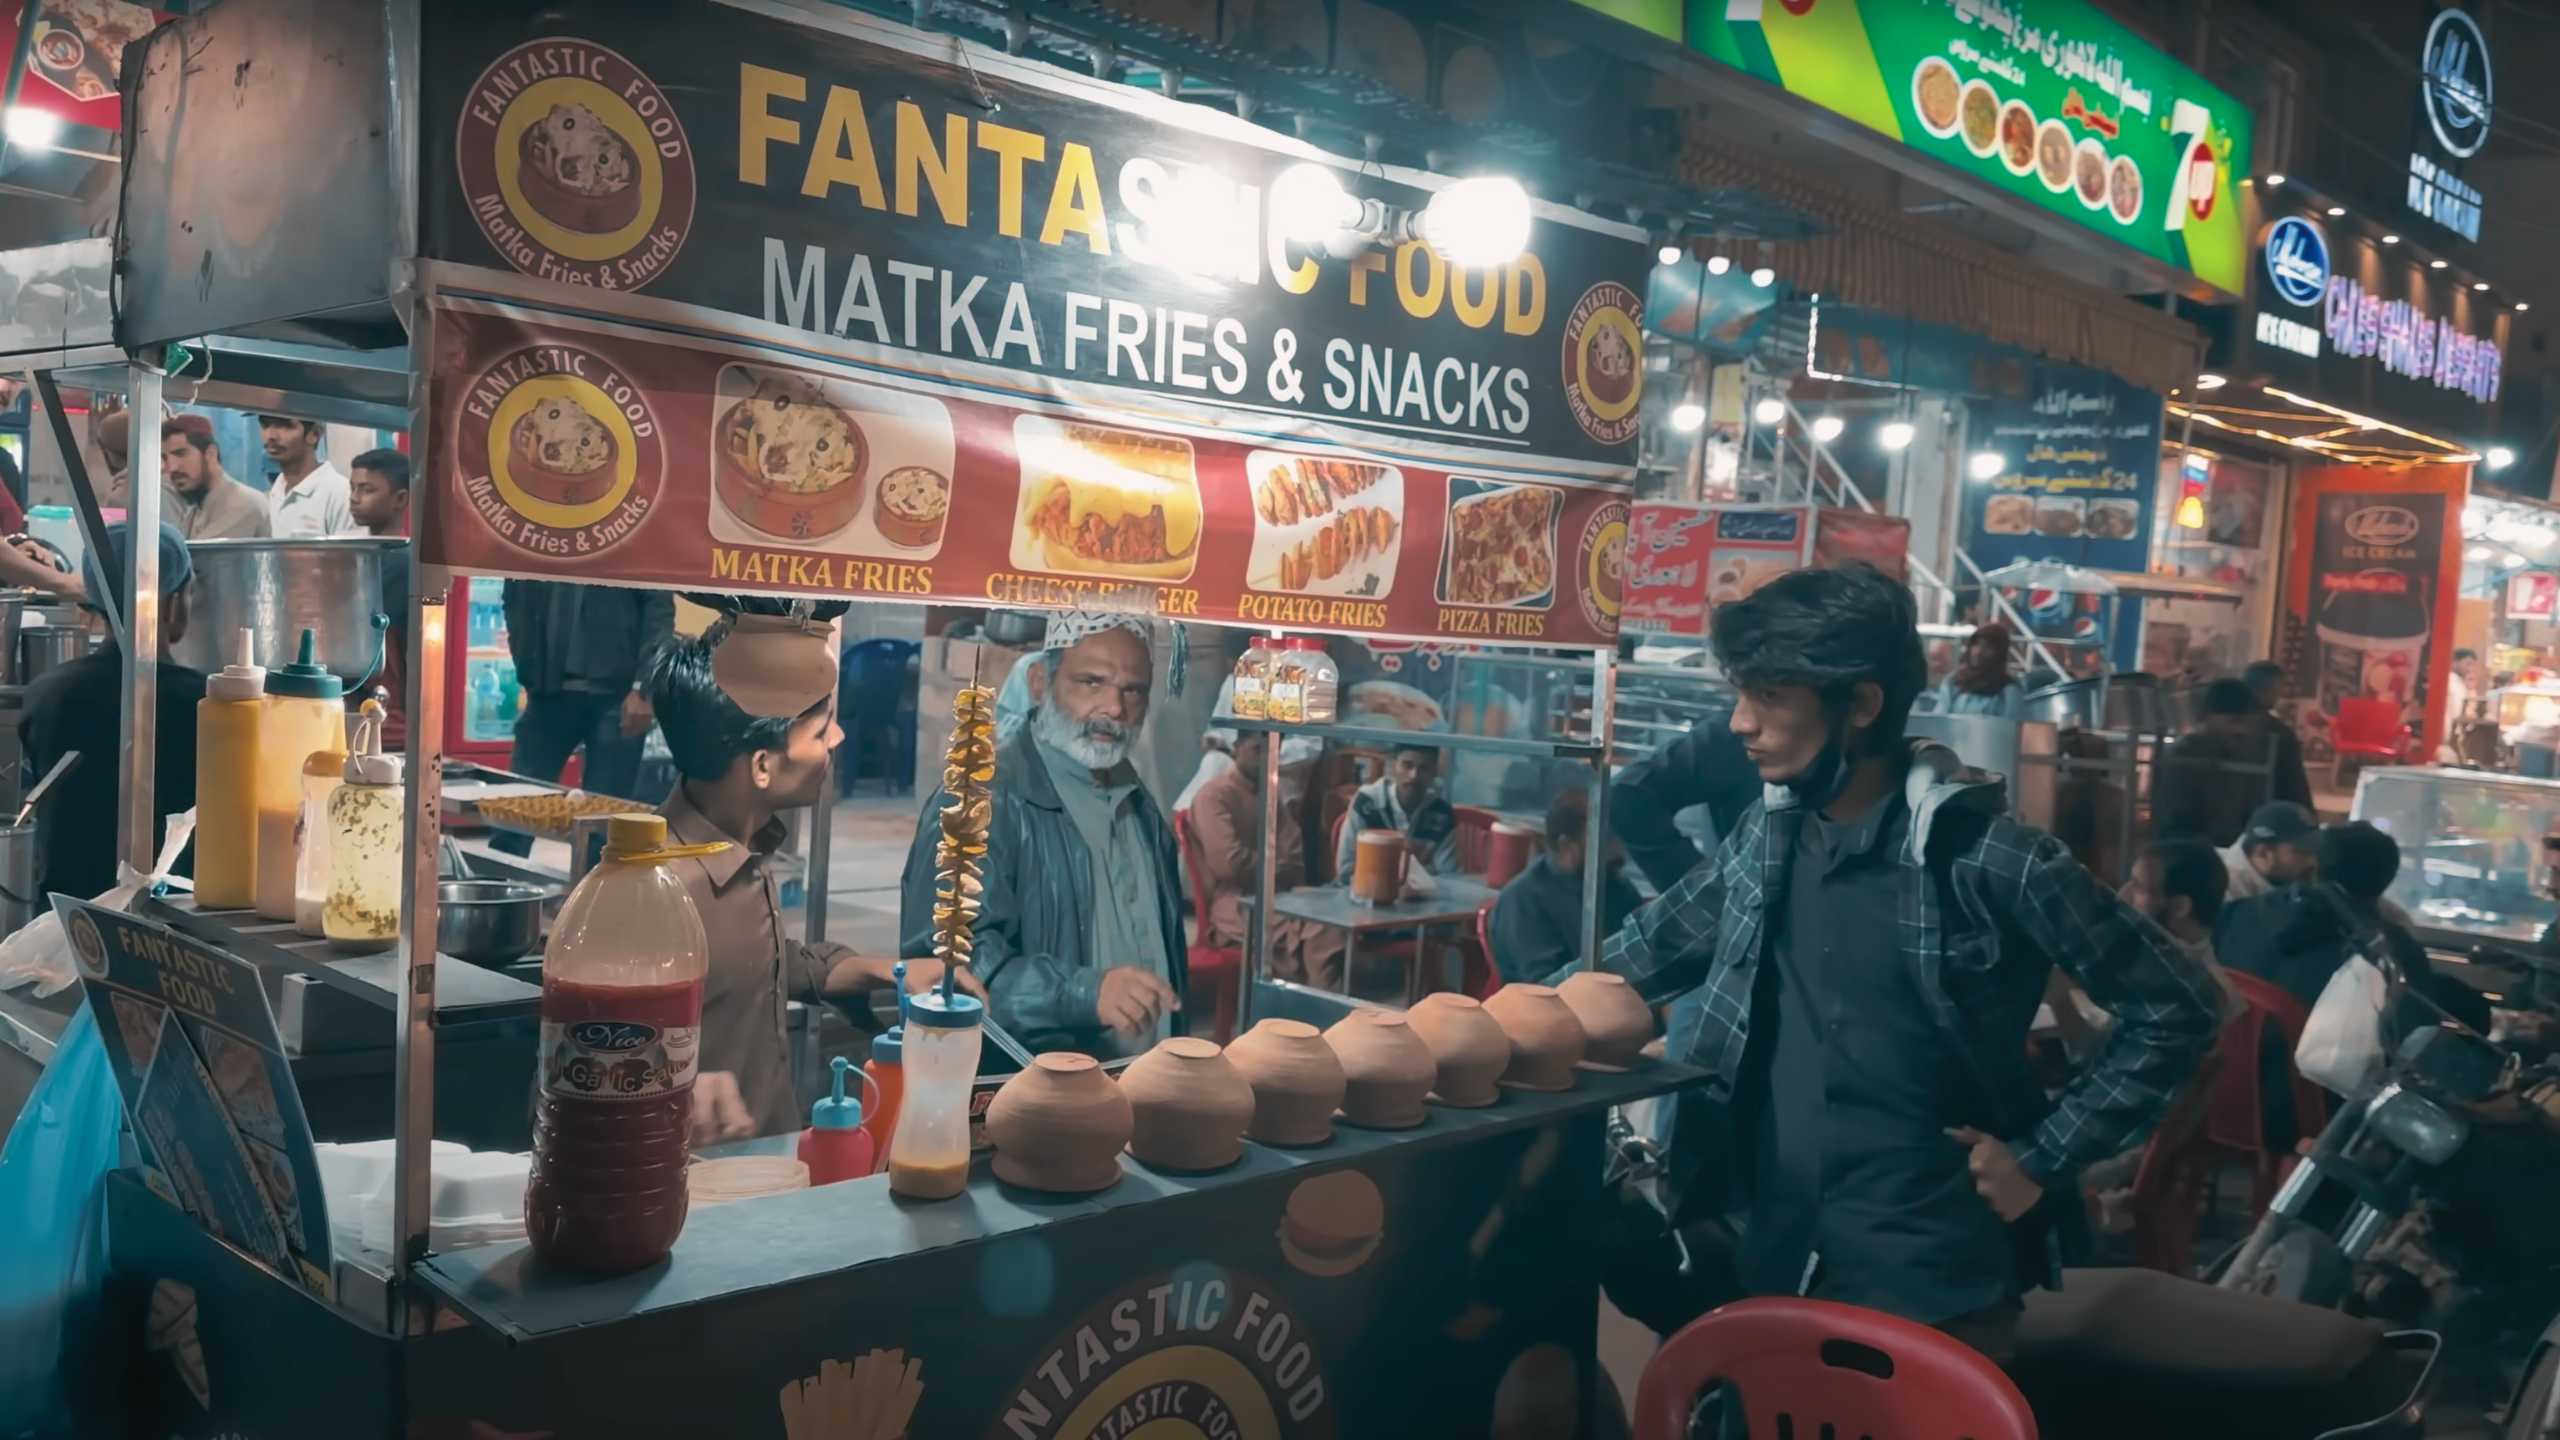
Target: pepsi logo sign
(2382, 525)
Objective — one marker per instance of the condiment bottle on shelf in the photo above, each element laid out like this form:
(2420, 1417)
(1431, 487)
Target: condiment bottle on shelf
(621, 1033)
(322, 773)
(1253, 678)
(1287, 694)
(836, 1146)
(929, 1153)
(1320, 702)
(306, 711)
(362, 911)
(887, 1072)
(228, 723)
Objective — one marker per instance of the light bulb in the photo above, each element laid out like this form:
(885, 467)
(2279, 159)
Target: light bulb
(1479, 222)
(2479, 284)
(2337, 210)
(1309, 202)
(1987, 464)
(1687, 416)
(1895, 434)
(2276, 179)
(1769, 411)
(1827, 428)
(1764, 277)
(2435, 264)
(2210, 381)
(2511, 560)
(2500, 457)
(31, 129)
(1669, 254)
(2478, 554)
(2191, 512)
(2390, 239)
(1718, 264)
(2522, 305)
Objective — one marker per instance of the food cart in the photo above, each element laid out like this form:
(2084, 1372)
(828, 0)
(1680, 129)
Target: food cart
(578, 358)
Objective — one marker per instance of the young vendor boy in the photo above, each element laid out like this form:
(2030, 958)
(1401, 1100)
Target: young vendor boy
(749, 711)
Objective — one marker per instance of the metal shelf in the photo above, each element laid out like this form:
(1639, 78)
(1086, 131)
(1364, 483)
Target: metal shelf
(1384, 737)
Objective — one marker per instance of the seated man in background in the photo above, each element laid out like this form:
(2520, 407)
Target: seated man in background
(2298, 936)
(1537, 919)
(2280, 846)
(2198, 792)
(1226, 821)
(1407, 799)
(2178, 885)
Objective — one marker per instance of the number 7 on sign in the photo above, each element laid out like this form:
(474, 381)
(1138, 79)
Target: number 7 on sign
(2192, 194)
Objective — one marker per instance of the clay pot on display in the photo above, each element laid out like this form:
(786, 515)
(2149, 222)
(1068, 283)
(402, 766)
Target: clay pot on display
(1386, 1067)
(1297, 1082)
(1613, 1016)
(1546, 1040)
(1188, 1104)
(1059, 1125)
(1469, 1047)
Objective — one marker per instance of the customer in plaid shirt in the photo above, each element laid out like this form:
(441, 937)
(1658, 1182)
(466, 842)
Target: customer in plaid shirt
(1868, 949)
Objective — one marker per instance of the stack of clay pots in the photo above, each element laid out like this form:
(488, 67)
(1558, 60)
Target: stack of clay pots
(1387, 1069)
(1059, 1125)
(1190, 1105)
(1468, 1048)
(1547, 1041)
(1297, 1082)
(1613, 1016)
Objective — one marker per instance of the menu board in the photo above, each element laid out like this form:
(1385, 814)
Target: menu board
(1684, 560)
(207, 1086)
(2081, 459)
(579, 449)
(2051, 101)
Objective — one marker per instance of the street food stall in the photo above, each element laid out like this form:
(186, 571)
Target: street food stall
(1036, 341)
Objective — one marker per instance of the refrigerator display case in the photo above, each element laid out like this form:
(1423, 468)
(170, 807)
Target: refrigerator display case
(2472, 866)
(482, 695)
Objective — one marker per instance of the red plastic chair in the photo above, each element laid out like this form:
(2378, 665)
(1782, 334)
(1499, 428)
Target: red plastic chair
(1474, 837)
(1815, 1368)
(1217, 971)
(2235, 1116)
(2367, 731)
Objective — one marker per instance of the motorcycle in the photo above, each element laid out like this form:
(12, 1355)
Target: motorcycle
(2425, 1203)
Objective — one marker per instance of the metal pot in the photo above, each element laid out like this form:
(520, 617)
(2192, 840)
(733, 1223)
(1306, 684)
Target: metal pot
(2071, 703)
(13, 608)
(41, 649)
(2135, 703)
(276, 589)
(19, 899)
(488, 922)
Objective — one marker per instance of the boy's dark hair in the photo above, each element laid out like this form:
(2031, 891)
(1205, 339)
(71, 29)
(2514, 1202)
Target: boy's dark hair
(2260, 673)
(2230, 697)
(390, 464)
(1431, 752)
(1568, 816)
(2359, 859)
(2190, 868)
(706, 731)
(1829, 629)
(2466, 654)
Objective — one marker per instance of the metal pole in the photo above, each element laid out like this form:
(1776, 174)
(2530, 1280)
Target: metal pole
(413, 1118)
(822, 844)
(1257, 955)
(1595, 820)
(136, 834)
(84, 495)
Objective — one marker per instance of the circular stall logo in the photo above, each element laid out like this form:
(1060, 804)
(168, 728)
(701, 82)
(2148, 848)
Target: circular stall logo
(2460, 85)
(2297, 256)
(575, 165)
(1604, 362)
(1603, 553)
(561, 452)
(1201, 1351)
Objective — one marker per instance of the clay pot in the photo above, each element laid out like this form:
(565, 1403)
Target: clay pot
(1297, 1082)
(1189, 1104)
(1386, 1067)
(1059, 1126)
(1546, 1039)
(1468, 1045)
(1613, 1015)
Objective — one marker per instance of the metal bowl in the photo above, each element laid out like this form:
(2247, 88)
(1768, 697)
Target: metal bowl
(489, 922)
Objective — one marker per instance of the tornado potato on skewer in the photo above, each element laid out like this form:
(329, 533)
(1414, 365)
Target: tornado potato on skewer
(969, 767)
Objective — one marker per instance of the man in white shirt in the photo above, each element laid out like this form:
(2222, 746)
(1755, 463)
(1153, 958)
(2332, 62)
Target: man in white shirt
(2279, 846)
(309, 497)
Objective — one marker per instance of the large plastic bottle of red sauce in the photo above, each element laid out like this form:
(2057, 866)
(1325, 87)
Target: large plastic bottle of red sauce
(621, 1029)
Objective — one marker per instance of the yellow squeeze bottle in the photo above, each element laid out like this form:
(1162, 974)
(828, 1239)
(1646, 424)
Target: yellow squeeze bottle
(228, 721)
(306, 711)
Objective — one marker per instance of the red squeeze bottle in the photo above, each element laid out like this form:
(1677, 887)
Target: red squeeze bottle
(835, 1146)
(621, 1032)
(887, 1072)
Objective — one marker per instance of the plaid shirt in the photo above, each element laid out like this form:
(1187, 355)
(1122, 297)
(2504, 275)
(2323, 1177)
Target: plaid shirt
(2021, 904)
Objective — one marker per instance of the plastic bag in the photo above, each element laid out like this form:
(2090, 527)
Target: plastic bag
(2341, 1047)
(39, 952)
(53, 1209)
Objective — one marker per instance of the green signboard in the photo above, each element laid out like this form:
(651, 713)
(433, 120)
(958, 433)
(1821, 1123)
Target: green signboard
(2047, 99)
(1661, 17)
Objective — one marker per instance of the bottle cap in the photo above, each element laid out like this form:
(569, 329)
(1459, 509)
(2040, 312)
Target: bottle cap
(955, 1011)
(244, 678)
(641, 838)
(890, 1047)
(838, 1111)
(366, 764)
(305, 679)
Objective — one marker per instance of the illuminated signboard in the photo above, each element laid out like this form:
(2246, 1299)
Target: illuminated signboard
(2457, 92)
(2409, 342)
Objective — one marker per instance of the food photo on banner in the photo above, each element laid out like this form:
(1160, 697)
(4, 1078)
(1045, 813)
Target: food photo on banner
(863, 312)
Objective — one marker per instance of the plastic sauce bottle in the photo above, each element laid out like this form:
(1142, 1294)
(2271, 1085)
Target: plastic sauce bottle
(1320, 704)
(621, 1034)
(1253, 679)
(836, 1146)
(929, 1154)
(306, 711)
(887, 1072)
(322, 773)
(366, 811)
(228, 722)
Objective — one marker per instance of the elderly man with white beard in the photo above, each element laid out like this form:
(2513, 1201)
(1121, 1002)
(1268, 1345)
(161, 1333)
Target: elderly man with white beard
(1079, 934)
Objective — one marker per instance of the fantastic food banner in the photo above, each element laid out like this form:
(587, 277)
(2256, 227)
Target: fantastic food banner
(861, 181)
(584, 448)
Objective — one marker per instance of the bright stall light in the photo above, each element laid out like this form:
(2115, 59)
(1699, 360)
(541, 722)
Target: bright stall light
(1827, 428)
(1895, 434)
(2538, 538)
(2275, 179)
(2210, 381)
(2337, 210)
(1669, 254)
(1687, 416)
(31, 129)
(1769, 411)
(2500, 457)
(2390, 239)
(2435, 264)
(2479, 284)
(1310, 203)
(1718, 264)
(1987, 464)
(2523, 305)
(1764, 277)
(2190, 512)
(2478, 554)
(1479, 222)
(2511, 560)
